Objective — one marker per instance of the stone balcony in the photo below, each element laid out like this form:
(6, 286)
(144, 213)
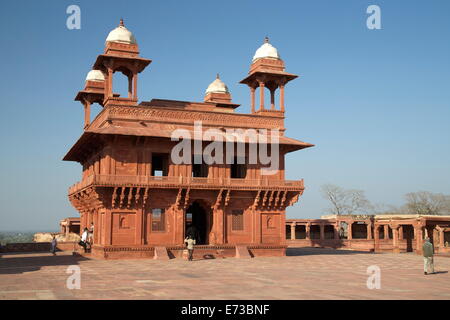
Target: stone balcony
(171, 182)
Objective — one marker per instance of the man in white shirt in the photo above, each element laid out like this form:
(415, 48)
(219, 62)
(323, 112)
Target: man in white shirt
(190, 246)
(84, 238)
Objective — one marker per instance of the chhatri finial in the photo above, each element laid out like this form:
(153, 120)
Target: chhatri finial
(217, 76)
(266, 39)
(121, 23)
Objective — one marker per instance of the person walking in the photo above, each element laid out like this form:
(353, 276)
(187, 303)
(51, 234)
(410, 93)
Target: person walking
(428, 263)
(53, 246)
(190, 246)
(84, 239)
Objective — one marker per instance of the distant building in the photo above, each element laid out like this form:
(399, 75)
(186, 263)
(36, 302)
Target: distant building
(396, 232)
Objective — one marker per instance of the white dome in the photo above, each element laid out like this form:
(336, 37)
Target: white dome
(95, 75)
(266, 51)
(121, 35)
(217, 86)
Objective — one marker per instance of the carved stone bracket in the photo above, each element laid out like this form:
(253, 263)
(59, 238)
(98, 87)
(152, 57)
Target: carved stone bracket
(186, 198)
(257, 198)
(227, 198)
(218, 200)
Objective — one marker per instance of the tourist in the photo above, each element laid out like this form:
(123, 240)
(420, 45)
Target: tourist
(190, 241)
(428, 263)
(53, 247)
(91, 234)
(84, 239)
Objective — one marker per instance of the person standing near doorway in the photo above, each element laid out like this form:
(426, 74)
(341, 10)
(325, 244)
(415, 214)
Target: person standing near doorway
(91, 234)
(428, 263)
(190, 246)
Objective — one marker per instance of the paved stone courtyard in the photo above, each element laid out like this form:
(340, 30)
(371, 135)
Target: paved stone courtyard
(307, 273)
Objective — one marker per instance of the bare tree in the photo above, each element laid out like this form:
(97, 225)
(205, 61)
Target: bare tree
(382, 208)
(424, 202)
(345, 201)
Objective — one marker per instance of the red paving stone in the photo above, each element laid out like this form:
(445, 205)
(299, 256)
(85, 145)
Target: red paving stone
(308, 273)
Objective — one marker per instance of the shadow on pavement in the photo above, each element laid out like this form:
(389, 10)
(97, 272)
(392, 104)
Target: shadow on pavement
(318, 251)
(20, 263)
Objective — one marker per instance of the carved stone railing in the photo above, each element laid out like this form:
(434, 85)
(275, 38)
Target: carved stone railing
(185, 182)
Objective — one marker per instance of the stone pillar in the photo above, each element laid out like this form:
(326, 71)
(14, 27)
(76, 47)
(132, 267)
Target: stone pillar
(419, 239)
(252, 99)
(435, 238)
(87, 113)
(109, 86)
(293, 231)
(135, 79)
(400, 233)
(258, 226)
(386, 231)
(108, 227)
(139, 226)
(349, 230)
(336, 231)
(96, 227)
(307, 231)
(376, 231)
(220, 225)
(282, 97)
(261, 95)
(322, 231)
(369, 230)
(130, 87)
(395, 246)
(272, 99)
(441, 239)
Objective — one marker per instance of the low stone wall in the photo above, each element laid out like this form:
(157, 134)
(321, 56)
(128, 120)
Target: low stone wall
(385, 245)
(67, 246)
(37, 247)
(354, 244)
(122, 252)
(200, 251)
(205, 251)
(267, 251)
(26, 247)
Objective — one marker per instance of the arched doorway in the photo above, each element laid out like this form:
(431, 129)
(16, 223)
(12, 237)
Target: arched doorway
(197, 223)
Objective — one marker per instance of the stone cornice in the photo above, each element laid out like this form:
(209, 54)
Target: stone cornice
(187, 117)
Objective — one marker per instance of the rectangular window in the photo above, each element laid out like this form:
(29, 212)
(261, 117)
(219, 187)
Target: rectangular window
(199, 167)
(238, 168)
(160, 164)
(158, 220)
(237, 220)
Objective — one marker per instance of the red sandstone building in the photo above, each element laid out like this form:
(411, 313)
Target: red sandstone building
(378, 233)
(140, 201)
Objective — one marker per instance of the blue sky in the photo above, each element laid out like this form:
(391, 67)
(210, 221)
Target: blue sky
(376, 103)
